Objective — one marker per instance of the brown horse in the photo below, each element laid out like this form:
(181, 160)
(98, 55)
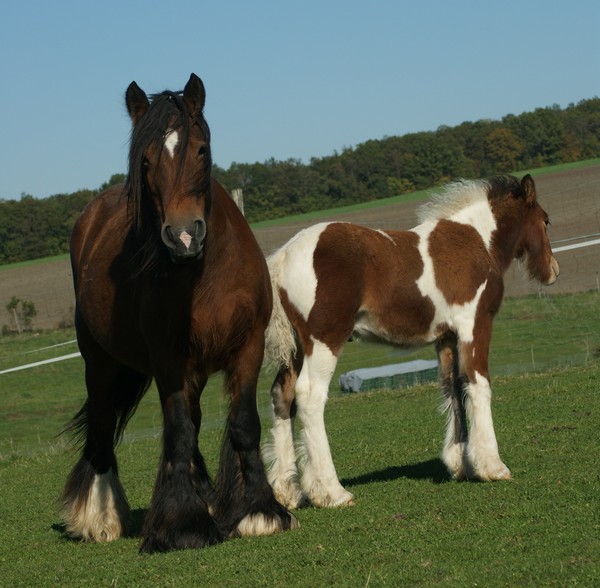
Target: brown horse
(440, 282)
(170, 285)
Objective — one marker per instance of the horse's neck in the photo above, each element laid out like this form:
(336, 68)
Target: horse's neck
(505, 243)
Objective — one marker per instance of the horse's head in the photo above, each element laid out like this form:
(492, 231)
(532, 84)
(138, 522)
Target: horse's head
(534, 246)
(169, 166)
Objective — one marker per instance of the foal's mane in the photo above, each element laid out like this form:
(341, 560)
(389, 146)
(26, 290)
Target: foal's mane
(460, 194)
(167, 111)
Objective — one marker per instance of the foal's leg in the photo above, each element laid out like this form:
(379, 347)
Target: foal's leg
(179, 516)
(280, 454)
(247, 505)
(93, 503)
(453, 454)
(319, 478)
(482, 448)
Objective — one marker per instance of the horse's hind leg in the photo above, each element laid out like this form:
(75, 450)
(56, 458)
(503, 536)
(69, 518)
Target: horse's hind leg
(455, 442)
(247, 503)
(319, 478)
(93, 503)
(280, 454)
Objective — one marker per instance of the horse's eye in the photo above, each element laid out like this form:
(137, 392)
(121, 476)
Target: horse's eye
(202, 150)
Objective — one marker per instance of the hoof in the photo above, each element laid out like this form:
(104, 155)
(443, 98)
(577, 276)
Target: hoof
(491, 471)
(290, 495)
(498, 473)
(340, 497)
(161, 542)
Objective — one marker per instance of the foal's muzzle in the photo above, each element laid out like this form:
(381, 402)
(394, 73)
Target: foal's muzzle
(554, 271)
(184, 241)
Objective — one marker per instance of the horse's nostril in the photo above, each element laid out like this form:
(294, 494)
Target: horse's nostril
(200, 230)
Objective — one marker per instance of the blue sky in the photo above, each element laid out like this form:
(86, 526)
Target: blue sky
(283, 79)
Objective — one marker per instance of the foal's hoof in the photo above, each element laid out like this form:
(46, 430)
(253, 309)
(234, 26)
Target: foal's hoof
(501, 473)
(333, 499)
(290, 495)
(492, 472)
(259, 523)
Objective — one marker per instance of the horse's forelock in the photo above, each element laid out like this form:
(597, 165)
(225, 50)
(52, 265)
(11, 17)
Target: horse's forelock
(167, 111)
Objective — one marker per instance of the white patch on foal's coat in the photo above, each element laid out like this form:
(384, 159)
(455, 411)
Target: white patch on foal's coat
(171, 141)
(460, 317)
(297, 276)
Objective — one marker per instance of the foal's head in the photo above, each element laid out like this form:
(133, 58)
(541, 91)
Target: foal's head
(169, 167)
(533, 245)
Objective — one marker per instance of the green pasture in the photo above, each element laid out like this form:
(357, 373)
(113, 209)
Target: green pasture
(530, 334)
(410, 526)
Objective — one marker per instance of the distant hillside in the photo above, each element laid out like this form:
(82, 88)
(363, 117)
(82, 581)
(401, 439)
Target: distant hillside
(372, 170)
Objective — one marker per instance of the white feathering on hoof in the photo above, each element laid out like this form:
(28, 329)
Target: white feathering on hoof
(101, 515)
(256, 524)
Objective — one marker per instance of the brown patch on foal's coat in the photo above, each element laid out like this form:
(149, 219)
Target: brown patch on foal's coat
(458, 276)
(359, 291)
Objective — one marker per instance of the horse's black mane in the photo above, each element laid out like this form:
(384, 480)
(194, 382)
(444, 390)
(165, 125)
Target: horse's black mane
(501, 185)
(167, 111)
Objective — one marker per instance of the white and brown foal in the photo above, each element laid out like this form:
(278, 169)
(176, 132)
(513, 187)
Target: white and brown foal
(441, 282)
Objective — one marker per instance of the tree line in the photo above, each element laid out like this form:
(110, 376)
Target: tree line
(31, 228)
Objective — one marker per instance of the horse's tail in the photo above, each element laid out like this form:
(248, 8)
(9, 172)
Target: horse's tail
(125, 404)
(280, 337)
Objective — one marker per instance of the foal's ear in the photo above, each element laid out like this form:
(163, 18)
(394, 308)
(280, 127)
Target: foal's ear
(194, 95)
(528, 189)
(136, 101)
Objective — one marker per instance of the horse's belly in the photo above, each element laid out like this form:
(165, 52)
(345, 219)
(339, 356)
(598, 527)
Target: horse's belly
(403, 331)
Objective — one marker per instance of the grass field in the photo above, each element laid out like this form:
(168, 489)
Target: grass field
(410, 526)
(38, 402)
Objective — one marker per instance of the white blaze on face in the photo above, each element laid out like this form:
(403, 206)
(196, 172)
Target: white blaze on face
(171, 141)
(186, 238)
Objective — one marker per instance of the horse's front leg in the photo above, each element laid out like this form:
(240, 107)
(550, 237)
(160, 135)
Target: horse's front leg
(319, 477)
(247, 505)
(180, 515)
(483, 459)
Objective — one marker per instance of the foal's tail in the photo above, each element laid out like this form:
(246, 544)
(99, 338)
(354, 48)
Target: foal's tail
(280, 337)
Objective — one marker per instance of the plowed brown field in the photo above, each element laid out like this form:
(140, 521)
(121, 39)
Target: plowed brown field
(572, 199)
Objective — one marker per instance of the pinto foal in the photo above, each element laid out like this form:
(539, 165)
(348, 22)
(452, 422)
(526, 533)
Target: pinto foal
(441, 283)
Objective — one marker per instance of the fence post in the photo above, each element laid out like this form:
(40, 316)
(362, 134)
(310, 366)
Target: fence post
(238, 198)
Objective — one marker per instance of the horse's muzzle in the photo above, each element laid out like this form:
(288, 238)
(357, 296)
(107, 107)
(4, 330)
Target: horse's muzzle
(554, 271)
(184, 242)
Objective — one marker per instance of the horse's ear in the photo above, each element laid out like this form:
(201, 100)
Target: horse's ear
(136, 101)
(194, 95)
(528, 189)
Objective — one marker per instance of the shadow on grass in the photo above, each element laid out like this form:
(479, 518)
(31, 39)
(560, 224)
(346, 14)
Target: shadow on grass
(433, 470)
